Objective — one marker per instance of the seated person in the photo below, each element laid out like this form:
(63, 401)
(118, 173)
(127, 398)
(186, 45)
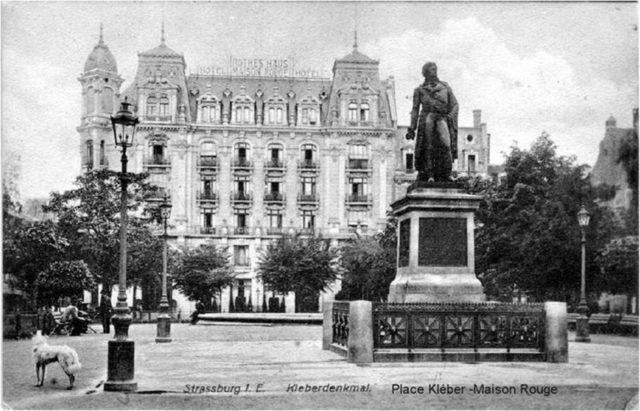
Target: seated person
(70, 314)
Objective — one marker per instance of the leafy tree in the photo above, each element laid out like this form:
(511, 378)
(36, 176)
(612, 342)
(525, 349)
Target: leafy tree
(369, 265)
(305, 266)
(201, 272)
(528, 238)
(63, 279)
(89, 216)
(618, 262)
(31, 250)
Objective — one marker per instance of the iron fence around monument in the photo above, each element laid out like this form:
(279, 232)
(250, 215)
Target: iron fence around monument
(458, 325)
(340, 323)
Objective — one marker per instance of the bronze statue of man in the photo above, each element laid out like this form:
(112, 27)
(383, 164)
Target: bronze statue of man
(435, 115)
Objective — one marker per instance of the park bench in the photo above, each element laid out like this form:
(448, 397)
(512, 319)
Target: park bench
(628, 324)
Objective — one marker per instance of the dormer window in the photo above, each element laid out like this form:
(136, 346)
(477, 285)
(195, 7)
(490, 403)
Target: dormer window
(364, 112)
(152, 106)
(312, 117)
(164, 106)
(209, 111)
(243, 111)
(353, 111)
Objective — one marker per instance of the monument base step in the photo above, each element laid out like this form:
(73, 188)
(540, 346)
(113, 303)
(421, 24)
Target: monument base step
(457, 355)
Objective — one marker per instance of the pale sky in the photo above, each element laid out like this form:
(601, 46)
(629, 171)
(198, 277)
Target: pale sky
(563, 68)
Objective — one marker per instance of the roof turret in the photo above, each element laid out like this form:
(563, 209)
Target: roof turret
(101, 58)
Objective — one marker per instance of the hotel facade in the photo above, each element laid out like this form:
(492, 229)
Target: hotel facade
(259, 150)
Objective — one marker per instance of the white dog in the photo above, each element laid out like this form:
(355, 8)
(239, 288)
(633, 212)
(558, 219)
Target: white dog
(44, 354)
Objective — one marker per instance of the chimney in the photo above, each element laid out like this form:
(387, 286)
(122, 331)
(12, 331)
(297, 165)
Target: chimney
(635, 118)
(476, 118)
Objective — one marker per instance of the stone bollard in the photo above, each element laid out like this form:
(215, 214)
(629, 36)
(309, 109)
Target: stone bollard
(360, 344)
(327, 324)
(556, 341)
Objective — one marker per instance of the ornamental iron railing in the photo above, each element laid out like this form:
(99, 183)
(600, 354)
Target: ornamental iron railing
(458, 325)
(340, 323)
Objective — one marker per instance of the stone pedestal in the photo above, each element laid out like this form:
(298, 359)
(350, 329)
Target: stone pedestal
(436, 261)
(163, 327)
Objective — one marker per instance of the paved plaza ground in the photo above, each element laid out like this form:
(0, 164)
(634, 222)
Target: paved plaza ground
(263, 362)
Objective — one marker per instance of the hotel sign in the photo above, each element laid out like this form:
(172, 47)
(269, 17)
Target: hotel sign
(261, 67)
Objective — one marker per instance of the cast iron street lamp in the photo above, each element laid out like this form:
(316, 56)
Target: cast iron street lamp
(121, 349)
(164, 321)
(582, 323)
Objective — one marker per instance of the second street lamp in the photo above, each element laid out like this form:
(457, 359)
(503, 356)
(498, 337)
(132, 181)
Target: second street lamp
(582, 323)
(164, 320)
(120, 365)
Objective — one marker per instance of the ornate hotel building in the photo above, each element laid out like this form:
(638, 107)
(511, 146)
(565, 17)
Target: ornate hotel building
(259, 151)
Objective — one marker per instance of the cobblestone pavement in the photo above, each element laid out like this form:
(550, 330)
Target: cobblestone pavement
(263, 367)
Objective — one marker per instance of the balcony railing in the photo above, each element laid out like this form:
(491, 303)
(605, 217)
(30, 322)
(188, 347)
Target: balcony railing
(207, 196)
(208, 162)
(157, 161)
(207, 230)
(307, 231)
(241, 230)
(240, 196)
(242, 163)
(307, 165)
(273, 197)
(157, 195)
(307, 198)
(276, 230)
(358, 199)
(242, 262)
(163, 119)
(358, 164)
(274, 164)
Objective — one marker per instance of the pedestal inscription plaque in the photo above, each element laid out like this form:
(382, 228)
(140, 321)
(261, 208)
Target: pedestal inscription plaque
(403, 246)
(442, 242)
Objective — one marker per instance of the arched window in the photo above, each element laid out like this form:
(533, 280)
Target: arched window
(208, 155)
(358, 156)
(275, 155)
(91, 96)
(305, 116)
(152, 106)
(89, 154)
(103, 159)
(272, 117)
(107, 100)
(164, 106)
(364, 112)
(279, 116)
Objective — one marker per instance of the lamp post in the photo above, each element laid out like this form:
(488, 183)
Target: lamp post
(164, 320)
(121, 350)
(582, 323)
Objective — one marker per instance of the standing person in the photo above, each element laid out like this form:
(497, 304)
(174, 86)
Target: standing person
(435, 116)
(48, 322)
(106, 309)
(18, 320)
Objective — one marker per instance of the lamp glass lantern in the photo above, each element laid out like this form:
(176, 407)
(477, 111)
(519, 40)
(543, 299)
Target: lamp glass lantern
(124, 125)
(583, 217)
(165, 209)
